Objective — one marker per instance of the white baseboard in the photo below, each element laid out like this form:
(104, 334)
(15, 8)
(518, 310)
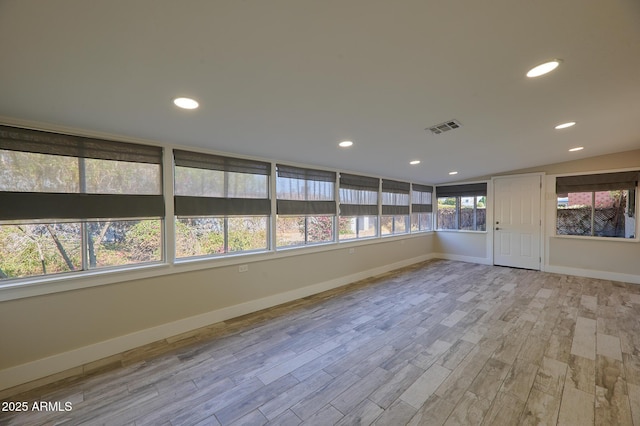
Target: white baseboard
(591, 273)
(469, 259)
(42, 368)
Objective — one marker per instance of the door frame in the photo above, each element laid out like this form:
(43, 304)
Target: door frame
(491, 225)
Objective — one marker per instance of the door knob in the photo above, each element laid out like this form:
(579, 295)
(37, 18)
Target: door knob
(497, 229)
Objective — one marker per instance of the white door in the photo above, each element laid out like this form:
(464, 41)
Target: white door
(517, 225)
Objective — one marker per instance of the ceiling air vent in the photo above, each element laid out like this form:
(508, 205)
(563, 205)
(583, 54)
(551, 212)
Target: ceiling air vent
(444, 127)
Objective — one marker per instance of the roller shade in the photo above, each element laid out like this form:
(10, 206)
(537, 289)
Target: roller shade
(395, 186)
(348, 181)
(45, 205)
(468, 190)
(213, 206)
(217, 162)
(40, 142)
(597, 182)
(292, 172)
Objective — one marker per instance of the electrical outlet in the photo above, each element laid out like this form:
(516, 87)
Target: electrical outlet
(243, 268)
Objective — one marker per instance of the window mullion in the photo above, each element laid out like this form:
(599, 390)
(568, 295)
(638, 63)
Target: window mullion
(84, 232)
(593, 213)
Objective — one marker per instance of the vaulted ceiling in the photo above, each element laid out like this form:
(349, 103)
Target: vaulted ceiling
(289, 79)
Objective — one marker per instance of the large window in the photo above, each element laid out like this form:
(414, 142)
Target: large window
(421, 208)
(462, 207)
(72, 203)
(358, 207)
(222, 204)
(395, 207)
(600, 205)
(306, 206)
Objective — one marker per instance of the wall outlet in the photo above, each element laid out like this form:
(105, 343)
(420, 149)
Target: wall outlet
(243, 268)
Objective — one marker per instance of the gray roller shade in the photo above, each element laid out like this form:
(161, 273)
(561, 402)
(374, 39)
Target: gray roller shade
(45, 205)
(199, 160)
(597, 182)
(468, 190)
(305, 174)
(309, 208)
(213, 206)
(40, 142)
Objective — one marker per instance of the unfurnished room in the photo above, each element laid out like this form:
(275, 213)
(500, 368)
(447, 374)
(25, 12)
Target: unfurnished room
(316, 212)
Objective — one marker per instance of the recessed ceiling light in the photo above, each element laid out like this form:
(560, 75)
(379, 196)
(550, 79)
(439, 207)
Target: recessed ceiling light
(345, 144)
(565, 125)
(577, 148)
(542, 69)
(414, 162)
(453, 173)
(186, 103)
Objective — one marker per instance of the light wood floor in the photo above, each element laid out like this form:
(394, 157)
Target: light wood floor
(440, 343)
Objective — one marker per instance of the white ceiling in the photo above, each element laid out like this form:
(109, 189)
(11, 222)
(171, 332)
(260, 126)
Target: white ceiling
(289, 79)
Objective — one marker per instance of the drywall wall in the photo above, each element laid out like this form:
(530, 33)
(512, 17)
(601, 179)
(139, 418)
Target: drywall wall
(464, 246)
(111, 317)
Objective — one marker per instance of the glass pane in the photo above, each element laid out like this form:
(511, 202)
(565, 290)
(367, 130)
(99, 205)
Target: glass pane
(290, 231)
(319, 229)
(395, 199)
(122, 177)
(301, 189)
(467, 219)
(124, 242)
(247, 233)
(199, 236)
(386, 225)
(199, 182)
(481, 213)
(400, 224)
(357, 227)
(420, 222)
(244, 185)
(447, 213)
(573, 215)
(28, 172)
(418, 197)
(611, 217)
(357, 196)
(39, 249)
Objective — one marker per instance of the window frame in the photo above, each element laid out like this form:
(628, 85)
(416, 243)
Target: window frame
(594, 183)
(221, 207)
(458, 192)
(80, 205)
(312, 205)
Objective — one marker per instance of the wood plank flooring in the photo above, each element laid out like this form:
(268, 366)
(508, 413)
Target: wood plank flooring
(440, 343)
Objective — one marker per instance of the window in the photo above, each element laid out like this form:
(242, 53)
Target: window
(421, 208)
(71, 203)
(395, 207)
(306, 206)
(222, 204)
(600, 205)
(358, 207)
(462, 207)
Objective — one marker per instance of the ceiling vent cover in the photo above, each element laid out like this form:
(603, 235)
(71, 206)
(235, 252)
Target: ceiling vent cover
(444, 127)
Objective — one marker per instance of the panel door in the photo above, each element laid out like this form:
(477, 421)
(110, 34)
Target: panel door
(517, 225)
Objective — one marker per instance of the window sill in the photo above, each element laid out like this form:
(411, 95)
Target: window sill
(461, 231)
(592, 238)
